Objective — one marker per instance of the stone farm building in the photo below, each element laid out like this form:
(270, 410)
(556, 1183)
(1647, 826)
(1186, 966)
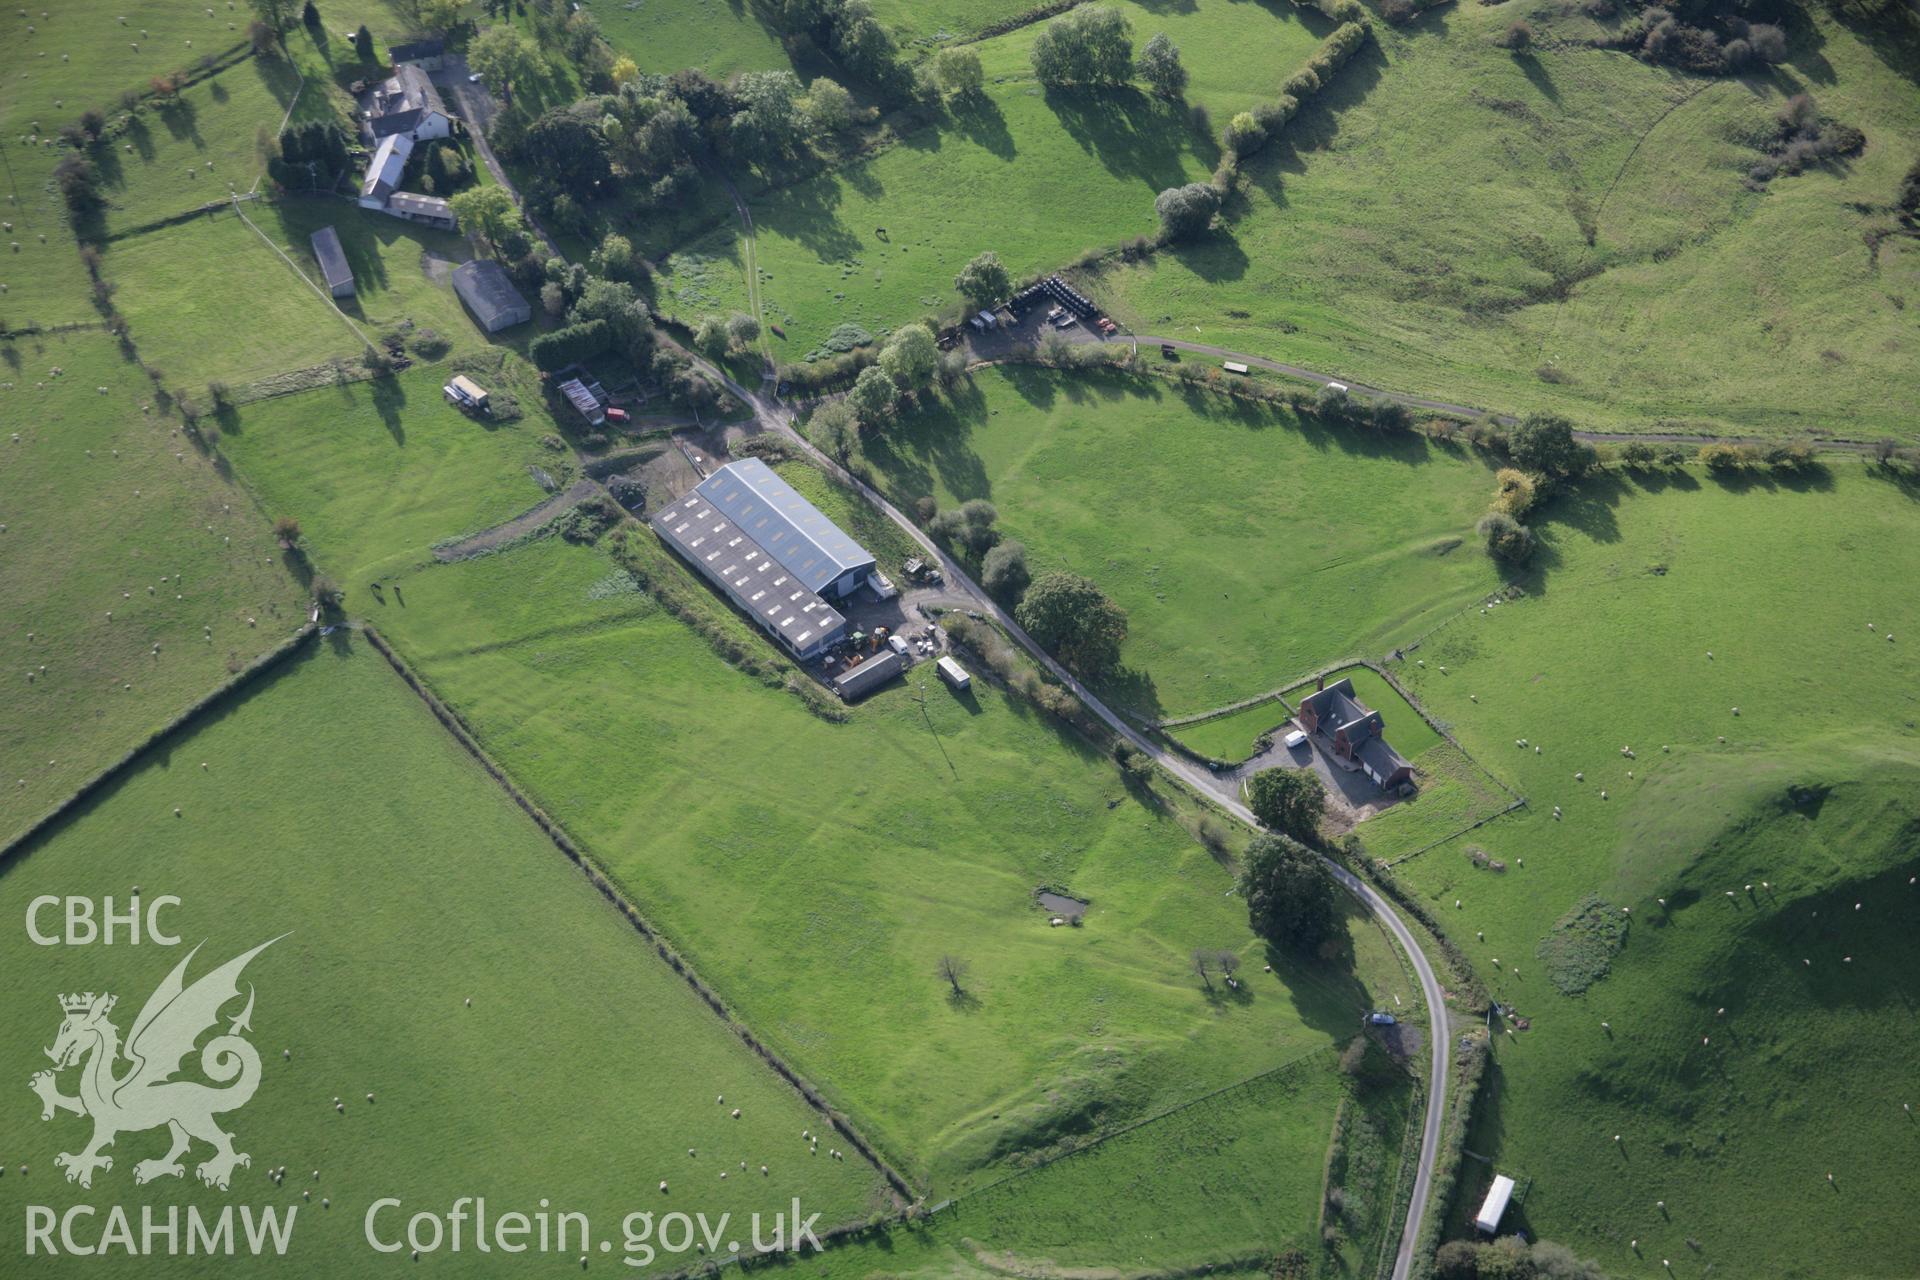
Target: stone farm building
(1353, 733)
(483, 285)
(333, 262)
(771, 552)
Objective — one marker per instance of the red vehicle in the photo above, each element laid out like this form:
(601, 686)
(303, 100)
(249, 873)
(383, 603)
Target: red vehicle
(618, 415)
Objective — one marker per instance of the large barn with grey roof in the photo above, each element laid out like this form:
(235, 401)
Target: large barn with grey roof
(771, 552)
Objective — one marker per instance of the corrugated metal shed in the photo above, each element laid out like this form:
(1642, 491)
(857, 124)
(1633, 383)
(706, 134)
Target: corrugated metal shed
(769, 593)
(869, 675)
(793, 530)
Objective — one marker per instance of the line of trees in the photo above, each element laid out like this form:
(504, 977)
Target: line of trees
(1187, 211)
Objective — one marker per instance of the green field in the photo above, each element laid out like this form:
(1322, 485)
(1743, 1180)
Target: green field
(1231, 737)
(1450, 220)
(1410, 735)
(1248, 545)
(203, 146)
(378, 473)
(720, 37)
(260, 322)
(103, 505)
(878, 242)
(816, 872)
(333, 810)
(1736, 1119)
(1075, 175)
(1226, 1184)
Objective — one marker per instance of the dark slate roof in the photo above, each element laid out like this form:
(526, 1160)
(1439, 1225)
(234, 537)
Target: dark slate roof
(1381, 758)
(400, 104)
(483, 285)
(869, 675)
(792, 529)
(331, 257)
(409, 50)
(1337, 705)
(758, 583)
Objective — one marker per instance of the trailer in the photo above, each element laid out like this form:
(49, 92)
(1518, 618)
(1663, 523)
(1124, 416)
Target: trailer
(1494, 1207)
(953, 673)
(1234, 366)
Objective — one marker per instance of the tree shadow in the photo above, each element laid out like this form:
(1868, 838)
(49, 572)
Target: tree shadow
(980, 121)
(389, 398)
(1133, 135)
(1536, 73)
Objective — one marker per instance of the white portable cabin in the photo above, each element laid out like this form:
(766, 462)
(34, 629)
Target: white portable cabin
(1494, 1207)
(953, 673)
(1234, 366)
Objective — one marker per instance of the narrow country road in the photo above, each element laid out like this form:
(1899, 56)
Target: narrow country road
(773, 417)
(1443, 406)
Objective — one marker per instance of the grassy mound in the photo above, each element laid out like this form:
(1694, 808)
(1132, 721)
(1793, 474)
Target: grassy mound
(1582, 945)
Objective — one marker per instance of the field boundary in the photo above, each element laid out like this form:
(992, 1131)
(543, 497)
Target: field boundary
(1291, 1065)
(1220, 713)
(461, 734)
(259, 666)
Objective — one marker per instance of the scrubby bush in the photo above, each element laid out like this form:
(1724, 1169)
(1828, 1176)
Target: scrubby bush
(1244, 135)
(1518, 37)
(562, 347)
(1516, 493)
(1543, 443)
(1186, 211)
(1301, 85)
(1003, 570)
(1507, 539)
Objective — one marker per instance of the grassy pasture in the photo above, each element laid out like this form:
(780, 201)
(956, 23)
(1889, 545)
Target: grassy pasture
(79, 55)
(42, 280)
(377, 473)
(1734, 1120)
(1230, 737)
(720, 37)
(401, 273)
(204, 145)
(1236, 54)
(259, 322)
(1248, 545)
(335, 810)
(816, 872)
(1226, 1183)
(1452, 220)
(1071, 173)
(100, 502)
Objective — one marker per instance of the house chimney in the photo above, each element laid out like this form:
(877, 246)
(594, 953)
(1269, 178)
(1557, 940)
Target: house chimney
(1320, 684)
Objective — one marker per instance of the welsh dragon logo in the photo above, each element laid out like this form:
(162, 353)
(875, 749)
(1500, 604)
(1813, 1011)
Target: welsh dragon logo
(145, 1095)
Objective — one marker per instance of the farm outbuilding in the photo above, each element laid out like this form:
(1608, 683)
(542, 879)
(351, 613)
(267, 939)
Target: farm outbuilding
(483, 285)
(764, 589)
(810, 546)
(586, 400)
(384, 171)
(857, 682)
(333, 262)
(428, 53)
(431, 210)
(1494, 1207)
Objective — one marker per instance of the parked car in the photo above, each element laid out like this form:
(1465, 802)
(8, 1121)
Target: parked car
(618, 415)
(1296, 739)
(1167, 350)
(898, 645)
(1380, 1019)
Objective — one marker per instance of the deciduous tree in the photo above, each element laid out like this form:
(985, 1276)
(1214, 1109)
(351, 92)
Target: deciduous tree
(1290, 897)
(1072, 618)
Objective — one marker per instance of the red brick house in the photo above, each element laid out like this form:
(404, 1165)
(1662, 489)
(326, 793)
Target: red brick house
(1353, 733)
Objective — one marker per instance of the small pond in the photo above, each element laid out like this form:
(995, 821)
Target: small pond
(1060, 904)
